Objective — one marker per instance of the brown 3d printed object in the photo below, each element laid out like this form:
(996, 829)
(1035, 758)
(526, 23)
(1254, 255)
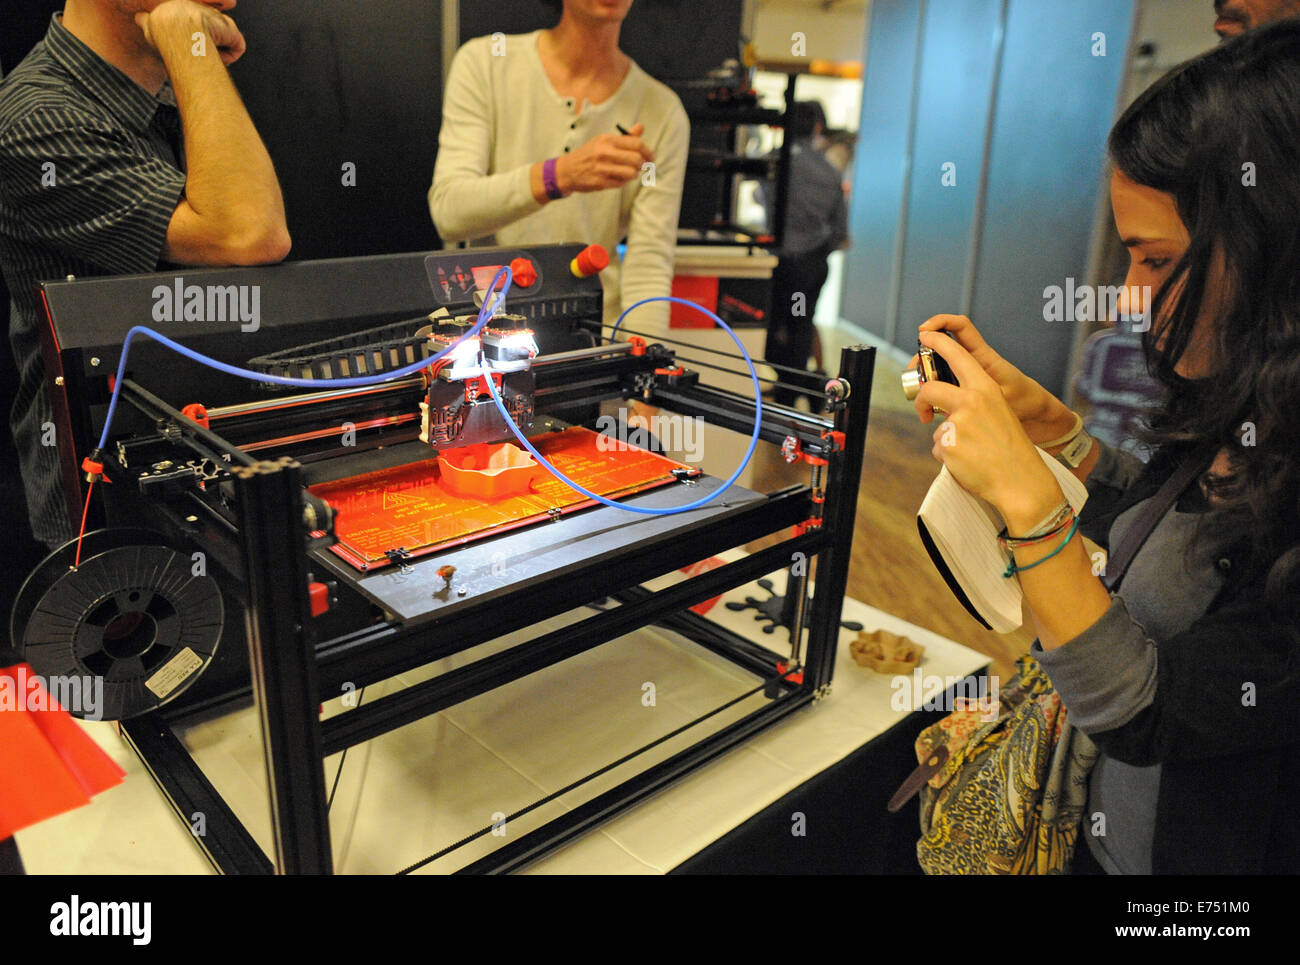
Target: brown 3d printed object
(886, 652)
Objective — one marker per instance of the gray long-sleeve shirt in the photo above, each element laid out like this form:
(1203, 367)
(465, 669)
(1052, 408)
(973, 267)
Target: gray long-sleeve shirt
(816, 212)
(1107, 674)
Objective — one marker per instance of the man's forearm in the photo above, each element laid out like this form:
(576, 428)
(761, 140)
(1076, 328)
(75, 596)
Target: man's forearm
(230, 179)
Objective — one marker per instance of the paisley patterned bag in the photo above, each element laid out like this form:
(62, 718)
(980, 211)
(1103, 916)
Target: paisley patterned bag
(1002, 796)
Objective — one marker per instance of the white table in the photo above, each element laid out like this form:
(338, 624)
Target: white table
(416, 790)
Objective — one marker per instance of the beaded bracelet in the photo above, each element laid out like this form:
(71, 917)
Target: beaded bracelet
(1012, 569)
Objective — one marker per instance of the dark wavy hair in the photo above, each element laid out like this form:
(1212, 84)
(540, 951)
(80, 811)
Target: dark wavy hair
(1192, 135)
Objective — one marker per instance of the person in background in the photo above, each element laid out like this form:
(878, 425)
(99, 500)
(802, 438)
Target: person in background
(531, 152)
(816, 223)
(123, 145)
(1235, 17)
(839, 151)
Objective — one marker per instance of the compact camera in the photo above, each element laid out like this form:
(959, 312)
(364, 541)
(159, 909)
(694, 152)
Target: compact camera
(930, 368)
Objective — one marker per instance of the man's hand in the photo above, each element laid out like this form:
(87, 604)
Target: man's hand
(606, 161)
(171, 27)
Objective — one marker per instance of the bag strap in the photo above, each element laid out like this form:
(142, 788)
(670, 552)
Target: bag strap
(924, 771)
(1118, 561)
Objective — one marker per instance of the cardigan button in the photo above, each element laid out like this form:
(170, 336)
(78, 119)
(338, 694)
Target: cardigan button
(1225, 564)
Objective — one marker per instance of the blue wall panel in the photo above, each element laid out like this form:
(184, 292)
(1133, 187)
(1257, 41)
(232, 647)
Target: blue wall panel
(1055, 107)
(881, 170)
(957, 68)
(934, 68)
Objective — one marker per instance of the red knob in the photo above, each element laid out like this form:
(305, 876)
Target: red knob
(196, 413)
(590, 260)
(524, 272)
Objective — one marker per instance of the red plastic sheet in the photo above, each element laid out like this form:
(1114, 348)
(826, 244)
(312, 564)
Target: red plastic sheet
(48, 764)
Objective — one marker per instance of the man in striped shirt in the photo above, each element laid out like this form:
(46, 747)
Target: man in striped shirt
(123, 146)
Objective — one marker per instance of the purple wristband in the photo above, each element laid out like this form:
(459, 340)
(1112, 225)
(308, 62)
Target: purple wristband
(551, 183)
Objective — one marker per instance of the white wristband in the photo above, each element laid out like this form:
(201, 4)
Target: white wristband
(1062, 440)
(1076, 450)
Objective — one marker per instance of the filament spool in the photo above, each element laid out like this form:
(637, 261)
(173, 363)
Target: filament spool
(133, 615)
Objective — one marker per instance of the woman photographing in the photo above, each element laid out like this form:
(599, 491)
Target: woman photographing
(1187, 675)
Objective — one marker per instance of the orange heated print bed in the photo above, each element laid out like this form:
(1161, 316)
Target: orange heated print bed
(415, 508)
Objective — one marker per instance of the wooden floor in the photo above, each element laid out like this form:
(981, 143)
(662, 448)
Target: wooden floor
(890, 569)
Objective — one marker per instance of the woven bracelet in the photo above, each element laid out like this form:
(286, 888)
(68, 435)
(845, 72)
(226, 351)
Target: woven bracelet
(1050, 526)
(1012, 569)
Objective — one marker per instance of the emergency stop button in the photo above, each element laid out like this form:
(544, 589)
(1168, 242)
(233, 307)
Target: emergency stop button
(524, 272)
(590, 261)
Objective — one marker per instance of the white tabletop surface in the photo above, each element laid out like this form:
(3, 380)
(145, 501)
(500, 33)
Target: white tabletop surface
(420, 788)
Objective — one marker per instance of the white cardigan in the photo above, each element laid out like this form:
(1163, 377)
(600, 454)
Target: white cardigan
(501, 115)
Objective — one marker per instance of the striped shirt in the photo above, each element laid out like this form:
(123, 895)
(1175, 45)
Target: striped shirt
(91, 171)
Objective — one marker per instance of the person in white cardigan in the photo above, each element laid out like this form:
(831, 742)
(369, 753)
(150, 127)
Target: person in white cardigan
(531, 152)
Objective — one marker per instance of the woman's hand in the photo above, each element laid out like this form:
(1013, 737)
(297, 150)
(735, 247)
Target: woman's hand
(1041, 414)
(983, 442)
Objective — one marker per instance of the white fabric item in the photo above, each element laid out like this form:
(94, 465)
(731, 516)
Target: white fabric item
(501, 116)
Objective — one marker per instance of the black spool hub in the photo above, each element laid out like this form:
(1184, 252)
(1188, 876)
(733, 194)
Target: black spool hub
(133, 614)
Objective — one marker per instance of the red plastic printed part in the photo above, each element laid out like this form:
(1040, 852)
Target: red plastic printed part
(320, 597)
(488, 470)
(590, 261)
(523, 272)
(794, 678)
(196, 413)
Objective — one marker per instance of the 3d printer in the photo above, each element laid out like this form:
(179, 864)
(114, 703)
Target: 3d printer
(248, 533)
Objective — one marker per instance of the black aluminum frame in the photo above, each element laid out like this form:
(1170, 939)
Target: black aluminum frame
(291, 670)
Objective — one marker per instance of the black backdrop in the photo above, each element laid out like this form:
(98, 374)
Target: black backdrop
(669, 39)
(336, 82)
